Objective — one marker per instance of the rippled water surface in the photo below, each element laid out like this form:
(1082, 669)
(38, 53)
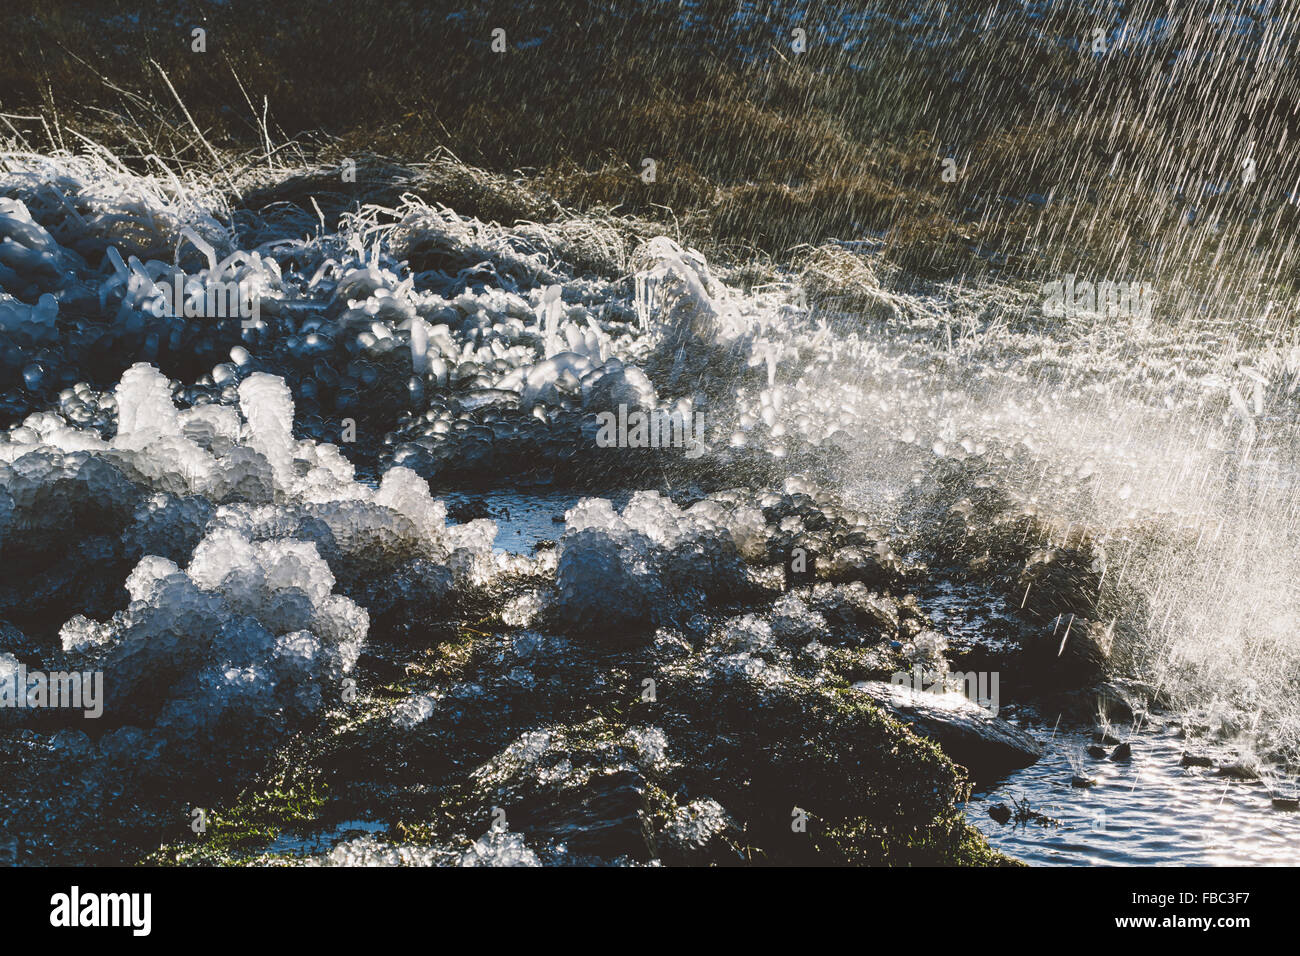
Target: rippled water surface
(1148, 812)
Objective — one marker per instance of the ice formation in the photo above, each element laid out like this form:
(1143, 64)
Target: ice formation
(653, 564)
(221, 514)
(243, 553)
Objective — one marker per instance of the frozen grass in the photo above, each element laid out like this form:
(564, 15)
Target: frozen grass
(1061, 165)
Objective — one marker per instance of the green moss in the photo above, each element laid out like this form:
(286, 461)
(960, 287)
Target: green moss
(235, 834)
(948, 840)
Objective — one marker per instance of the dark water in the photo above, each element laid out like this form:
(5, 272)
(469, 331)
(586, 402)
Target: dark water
(1149, 812)
(526, 518)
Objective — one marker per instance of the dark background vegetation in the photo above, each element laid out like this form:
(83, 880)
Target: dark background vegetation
(1123, 165)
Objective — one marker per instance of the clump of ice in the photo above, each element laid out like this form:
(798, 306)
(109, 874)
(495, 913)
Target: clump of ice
(504, 314)
(674, 287)
(251, 560)
(696, 824)
(649, 744)
(415, 710)
(267, 406)
(495, 848)
(33, 323)
(625, 574)
(250, 630)
(145, 411)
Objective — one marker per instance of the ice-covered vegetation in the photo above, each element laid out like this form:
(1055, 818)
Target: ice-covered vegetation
(239, 524)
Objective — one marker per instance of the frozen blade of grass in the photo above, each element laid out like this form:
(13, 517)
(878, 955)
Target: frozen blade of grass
(216, 160)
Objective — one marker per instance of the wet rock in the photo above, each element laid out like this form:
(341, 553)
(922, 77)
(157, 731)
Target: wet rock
(812, 774)
(986, 745)
(1082, 782)
(968, 523)
(469, 510)
(1065, 652)
(1238, 771)
(1196, 760)
(1114, 702)
(855, 613)
(1122, 752)
(577, 786)
(1096, 752)
(875, 567)
(799, 566)
(1000, 812)
(1062, 581)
